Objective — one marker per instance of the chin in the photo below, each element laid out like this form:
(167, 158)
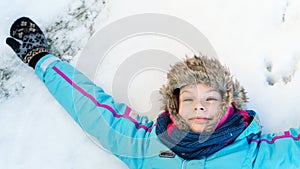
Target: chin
(198, 129)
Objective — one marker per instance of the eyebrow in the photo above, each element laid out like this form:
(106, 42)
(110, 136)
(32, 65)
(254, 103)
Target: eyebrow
(186, 91)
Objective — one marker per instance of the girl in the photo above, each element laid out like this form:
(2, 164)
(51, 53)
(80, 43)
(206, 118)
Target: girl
(203, 124)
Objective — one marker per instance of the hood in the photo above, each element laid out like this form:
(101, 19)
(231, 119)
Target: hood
(204, 70)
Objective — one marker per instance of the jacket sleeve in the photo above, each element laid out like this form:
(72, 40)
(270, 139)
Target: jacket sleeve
(114, 125)
(280, 150)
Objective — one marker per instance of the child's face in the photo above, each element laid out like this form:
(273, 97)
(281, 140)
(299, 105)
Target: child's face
(199, 106)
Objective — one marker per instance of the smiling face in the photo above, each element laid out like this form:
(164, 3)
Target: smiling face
(199, 106)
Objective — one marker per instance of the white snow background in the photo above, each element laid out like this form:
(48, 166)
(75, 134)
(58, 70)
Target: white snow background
(257, 39)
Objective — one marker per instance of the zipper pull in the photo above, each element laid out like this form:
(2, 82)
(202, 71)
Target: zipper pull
(167, 154)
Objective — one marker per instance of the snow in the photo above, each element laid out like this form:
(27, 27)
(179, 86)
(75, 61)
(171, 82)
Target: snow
(258, 40)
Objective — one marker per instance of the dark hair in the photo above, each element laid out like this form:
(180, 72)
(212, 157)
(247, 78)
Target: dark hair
(175, 98)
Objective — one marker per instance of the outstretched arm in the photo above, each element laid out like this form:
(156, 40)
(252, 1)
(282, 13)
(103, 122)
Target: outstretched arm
(280, 150)
(114, 125)
(94, 110)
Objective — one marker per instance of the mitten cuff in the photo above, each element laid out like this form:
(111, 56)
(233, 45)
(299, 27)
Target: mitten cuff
(32, 53)
(34, 59)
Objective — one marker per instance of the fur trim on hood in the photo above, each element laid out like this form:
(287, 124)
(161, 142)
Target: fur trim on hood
(204, 70)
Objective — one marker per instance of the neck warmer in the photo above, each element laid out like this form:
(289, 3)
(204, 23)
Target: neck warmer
(191, 145)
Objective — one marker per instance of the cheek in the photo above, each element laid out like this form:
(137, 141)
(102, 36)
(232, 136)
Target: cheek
(215, 114)
(183, 110)
(214, 111)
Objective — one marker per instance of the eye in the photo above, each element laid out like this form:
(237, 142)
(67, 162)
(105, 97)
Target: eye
(212, 99)
(187, 100)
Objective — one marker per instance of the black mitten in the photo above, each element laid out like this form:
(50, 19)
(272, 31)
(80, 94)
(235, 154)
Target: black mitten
(29, 42)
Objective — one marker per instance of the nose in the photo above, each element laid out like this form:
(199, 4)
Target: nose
(199, 106)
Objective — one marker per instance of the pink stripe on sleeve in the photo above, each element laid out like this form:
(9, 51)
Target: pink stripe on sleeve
(105, 106)
(272, 141)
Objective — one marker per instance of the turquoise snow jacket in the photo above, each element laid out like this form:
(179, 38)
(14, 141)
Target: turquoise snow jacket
(133, 139)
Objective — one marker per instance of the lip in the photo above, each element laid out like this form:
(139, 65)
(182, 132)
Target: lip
(200, 119)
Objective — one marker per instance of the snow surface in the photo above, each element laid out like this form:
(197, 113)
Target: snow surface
(257, 39)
